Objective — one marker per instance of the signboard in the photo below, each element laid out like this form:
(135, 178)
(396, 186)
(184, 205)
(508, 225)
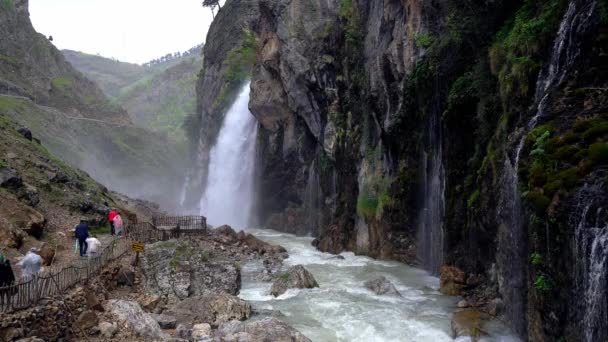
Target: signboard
(137, 247)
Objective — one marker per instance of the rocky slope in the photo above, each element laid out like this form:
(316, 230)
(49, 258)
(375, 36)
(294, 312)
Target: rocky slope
(43, 198)
(471, 135)
(40, 90)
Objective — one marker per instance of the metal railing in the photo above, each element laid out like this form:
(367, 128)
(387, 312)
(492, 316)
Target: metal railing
(48, 284)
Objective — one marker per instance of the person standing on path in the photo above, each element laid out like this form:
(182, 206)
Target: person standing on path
(82, 233)
(31, 265)
(111, 216)
(93, 246)
(118, 224)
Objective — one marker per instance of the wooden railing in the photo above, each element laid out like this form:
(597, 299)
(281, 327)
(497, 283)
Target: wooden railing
(55, 282)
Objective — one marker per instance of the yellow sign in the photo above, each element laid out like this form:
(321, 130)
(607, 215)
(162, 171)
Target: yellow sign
(137, 247)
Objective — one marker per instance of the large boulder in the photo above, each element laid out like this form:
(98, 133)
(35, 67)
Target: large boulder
(382, 286)
(452, 280)
(268, 329)
(140, 322)
(177, 270)
(9, 178)
(296, 277)
(210, 307)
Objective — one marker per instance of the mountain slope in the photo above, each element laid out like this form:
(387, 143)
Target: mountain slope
(74, 119)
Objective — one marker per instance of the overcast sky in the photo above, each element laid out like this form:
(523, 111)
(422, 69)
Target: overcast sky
(129, 30)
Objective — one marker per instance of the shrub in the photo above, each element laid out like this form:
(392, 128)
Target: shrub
(596, 131)
(567, 153)
(541, 283)
(538, 201)
(473, 199)
(536, 259)
(366, 206)
(423, 40)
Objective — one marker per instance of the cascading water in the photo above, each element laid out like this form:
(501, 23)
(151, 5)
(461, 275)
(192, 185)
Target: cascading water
(512, 258)
(430, 222)
(312, 201)
(591, 259)
(228, 197)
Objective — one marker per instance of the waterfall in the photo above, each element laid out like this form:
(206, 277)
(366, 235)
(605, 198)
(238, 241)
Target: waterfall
(228, 197)
(512, 236)
(591, 260)
(430, 221)
(312, 201)
(183, 192)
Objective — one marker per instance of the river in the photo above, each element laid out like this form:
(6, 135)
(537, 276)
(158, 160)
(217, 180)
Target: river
(342, 309)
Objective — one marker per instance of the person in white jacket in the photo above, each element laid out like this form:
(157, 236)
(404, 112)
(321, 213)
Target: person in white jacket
(31, 264)
(94, 245)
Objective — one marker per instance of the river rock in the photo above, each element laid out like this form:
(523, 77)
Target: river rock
(140, 322)
(267, 329)
(210, 307)
(296, 277)
(107, 329)
(468, 323)
(382, 286)
(452, 280)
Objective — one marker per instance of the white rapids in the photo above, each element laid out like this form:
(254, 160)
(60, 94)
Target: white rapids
(342, 309)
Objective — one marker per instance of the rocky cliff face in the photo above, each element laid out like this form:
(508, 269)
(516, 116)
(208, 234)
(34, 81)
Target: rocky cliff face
(443, 133)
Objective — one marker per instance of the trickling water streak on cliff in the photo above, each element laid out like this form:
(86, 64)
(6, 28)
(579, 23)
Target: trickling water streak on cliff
(512, 235)
(430, 225)
(228, 198)
(591, 260)
(312, 201)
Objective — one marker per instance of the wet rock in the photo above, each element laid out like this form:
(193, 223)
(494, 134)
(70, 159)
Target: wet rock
(468, 323)
(295, 277)
(165, 321)
(267, 329)
(200, 331)
(9, 178)
(26, 133)
(462, 304)
(86, 320)
(495, 307)
(452, 280)
(382, 286)
(107, 329)
(256, 245)
(139, 321)
(211, 307)
(337, 257)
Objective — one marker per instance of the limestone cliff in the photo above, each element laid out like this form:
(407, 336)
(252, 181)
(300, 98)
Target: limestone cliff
(442, 133)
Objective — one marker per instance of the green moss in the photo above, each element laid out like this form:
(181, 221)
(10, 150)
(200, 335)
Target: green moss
(351, 22)
(62, 83)
(7, 5)
(536, 259)
(569, 177)
(367, 205)
(553, 187)
(473, 199)
(240, 59)
(423, 40)
(541, 283)
(516, 52)
(598, 130)
(538, 201)
(567, 153)
(598, 153)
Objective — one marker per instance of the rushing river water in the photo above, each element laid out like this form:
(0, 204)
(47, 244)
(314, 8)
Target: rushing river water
(342, 309)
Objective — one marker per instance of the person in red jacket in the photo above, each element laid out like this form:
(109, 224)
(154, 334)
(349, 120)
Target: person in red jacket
(111, 217)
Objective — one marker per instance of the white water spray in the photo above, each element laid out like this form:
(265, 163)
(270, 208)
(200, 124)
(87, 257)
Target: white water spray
(228, 198)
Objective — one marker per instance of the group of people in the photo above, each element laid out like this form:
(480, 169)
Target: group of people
(88, 245)
(30, 264)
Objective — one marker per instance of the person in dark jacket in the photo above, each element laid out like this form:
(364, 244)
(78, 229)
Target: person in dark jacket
(82, 233)
(7, 278)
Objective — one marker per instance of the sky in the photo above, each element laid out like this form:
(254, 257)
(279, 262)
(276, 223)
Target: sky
(135, 31)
